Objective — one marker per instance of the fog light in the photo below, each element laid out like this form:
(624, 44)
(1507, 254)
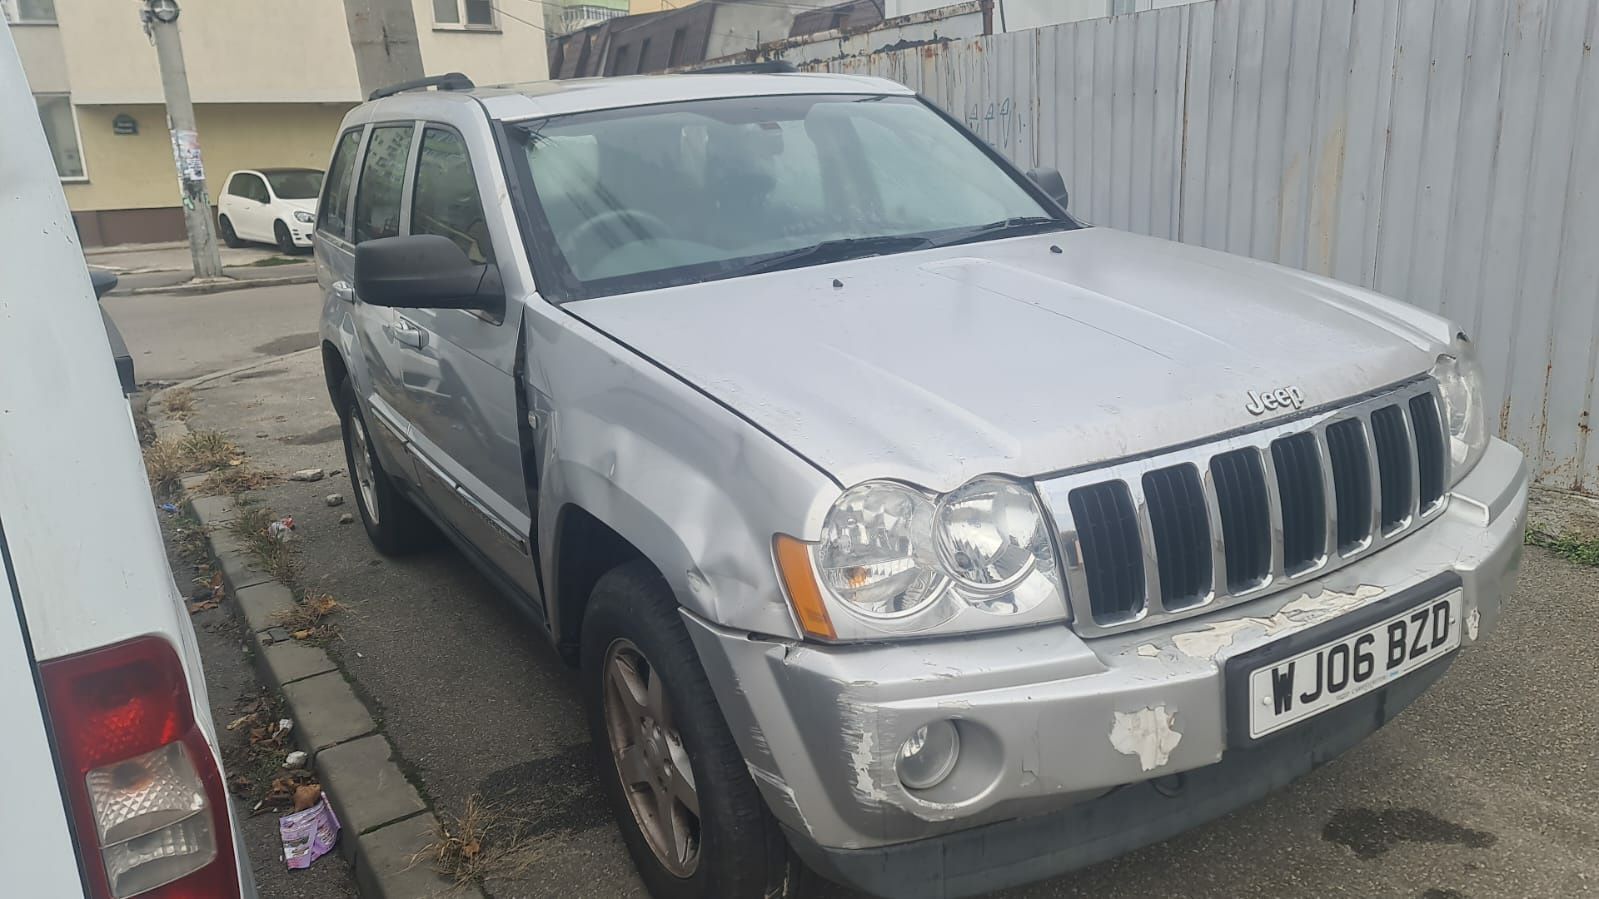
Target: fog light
(928, 755)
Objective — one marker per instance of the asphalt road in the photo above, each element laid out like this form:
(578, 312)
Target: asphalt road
(1487, 787)
(174, 337)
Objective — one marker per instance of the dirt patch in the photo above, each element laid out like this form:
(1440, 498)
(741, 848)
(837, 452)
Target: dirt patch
(556, 793)
(291, 343)
(329, 434)
(1372, 832)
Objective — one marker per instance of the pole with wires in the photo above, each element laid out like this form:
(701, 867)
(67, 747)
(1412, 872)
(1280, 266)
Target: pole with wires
(160, 18)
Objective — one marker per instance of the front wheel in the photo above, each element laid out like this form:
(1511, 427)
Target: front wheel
(393, 524)
(285, 239)
(689, 812)
(229, 236)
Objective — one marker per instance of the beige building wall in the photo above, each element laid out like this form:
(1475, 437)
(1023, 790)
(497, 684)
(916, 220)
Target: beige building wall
(39, 47)
(282, 51)
(136, 171)
(271, 82)
(513, 53)
(634, 7)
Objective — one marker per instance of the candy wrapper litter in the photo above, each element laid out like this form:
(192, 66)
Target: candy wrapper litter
(308, 835)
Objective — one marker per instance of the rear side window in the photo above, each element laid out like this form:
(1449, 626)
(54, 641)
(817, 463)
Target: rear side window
(444, 200)
(377, 195)
(337, 196)
(247, 186)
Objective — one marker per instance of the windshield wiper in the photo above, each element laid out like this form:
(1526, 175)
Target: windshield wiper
(836, 251)
(1011, 227)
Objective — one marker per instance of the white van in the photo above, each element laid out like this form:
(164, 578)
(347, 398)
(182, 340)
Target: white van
(114, 784)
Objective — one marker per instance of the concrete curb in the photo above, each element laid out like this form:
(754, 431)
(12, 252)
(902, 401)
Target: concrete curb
(385, 821)
(216, 285)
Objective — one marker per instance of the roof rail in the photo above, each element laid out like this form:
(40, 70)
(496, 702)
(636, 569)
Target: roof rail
(769, 67)
(449, 81)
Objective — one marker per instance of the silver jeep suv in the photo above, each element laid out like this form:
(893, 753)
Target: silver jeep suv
(901, 525)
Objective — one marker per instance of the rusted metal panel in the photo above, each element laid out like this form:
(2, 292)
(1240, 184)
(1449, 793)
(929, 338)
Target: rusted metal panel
(1442, 151)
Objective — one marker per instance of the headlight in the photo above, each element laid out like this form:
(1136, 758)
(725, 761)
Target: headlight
(895, 560)
(304, 217)
(876, 552)
(1460, 384)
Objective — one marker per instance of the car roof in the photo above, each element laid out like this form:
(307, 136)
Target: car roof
(538, 99)
(285, 170)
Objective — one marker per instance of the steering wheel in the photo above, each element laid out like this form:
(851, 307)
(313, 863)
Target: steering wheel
(652, 226)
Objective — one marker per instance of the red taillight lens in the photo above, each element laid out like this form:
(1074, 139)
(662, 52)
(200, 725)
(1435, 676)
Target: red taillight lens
(147, 797)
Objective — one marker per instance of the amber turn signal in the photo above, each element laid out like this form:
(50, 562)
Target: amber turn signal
(794, 566)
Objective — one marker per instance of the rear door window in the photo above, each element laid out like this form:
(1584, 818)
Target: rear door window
(336, 198)
(377, 195)
(247, 186)
(444, 199)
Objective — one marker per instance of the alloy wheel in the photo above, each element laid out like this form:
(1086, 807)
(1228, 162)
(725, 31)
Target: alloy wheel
(361, 461)
(657, 778)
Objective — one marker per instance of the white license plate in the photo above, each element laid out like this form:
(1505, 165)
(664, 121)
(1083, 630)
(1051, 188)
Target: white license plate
(1290, 690)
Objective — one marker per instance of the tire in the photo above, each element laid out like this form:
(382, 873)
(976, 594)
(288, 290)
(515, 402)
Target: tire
(228, 236)
(285, 240)
(395, 526)
(739, 850)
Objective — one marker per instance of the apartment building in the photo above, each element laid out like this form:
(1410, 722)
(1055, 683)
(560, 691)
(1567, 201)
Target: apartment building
(270, 82)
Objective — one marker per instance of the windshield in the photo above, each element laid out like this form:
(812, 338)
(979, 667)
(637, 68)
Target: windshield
(648, 197)
(296, 184)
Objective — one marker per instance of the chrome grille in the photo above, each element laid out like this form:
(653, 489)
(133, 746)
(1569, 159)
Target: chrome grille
(1182, 532)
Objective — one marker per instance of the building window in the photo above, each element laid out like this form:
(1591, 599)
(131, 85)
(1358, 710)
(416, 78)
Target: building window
(464, 13)
(29, 12)
(675, 57)
(61, 131)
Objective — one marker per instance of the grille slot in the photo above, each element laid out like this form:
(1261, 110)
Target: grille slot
(1181, 528)
(1112, 551)
(1393, 464)
(1430, 448)
(1304, 510)
(1351, 469)
(1245, 520)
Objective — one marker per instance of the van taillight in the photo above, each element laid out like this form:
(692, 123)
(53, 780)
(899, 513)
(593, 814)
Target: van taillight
(148, 805)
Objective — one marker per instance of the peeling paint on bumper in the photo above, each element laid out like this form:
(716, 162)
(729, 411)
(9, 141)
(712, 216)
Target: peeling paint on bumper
(1040, 710)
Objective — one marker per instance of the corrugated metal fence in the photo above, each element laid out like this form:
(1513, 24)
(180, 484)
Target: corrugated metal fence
(1442, 151)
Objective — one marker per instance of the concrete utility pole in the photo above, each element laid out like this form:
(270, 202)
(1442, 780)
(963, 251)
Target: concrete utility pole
(160, 19)
(383, 36)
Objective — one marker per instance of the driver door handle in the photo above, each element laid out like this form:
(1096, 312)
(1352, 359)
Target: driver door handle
(344, 290)
(408, 334)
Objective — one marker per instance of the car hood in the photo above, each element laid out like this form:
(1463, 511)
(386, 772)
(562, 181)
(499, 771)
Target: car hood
(306, 205)
(1022, 356)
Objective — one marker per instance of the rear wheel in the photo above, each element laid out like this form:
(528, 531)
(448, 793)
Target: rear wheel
(393, 524)
(228, 236)
(285, 239)
(689, 812)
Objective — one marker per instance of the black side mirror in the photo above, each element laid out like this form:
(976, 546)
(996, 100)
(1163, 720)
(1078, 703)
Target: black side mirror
(103, 280)
(425, 271)
(1051, 183)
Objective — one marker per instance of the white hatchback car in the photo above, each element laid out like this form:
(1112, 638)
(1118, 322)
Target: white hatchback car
(276, 206)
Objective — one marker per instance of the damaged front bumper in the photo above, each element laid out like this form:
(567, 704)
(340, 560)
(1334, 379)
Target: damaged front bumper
(1051, 725)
